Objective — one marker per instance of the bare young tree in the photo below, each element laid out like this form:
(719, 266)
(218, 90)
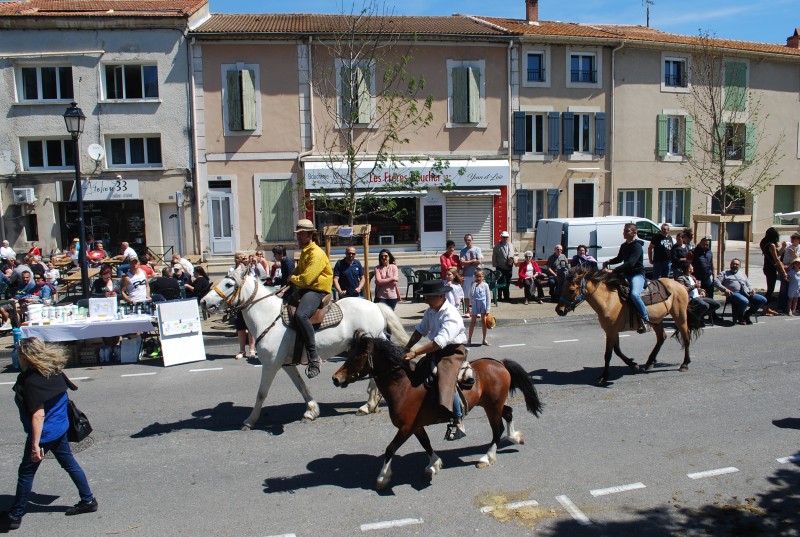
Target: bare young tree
(730, 158)
(372, 104)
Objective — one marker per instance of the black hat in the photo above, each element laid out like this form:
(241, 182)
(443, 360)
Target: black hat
(434, 288)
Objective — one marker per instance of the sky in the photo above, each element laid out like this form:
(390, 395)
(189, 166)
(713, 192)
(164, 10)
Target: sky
(764, 21)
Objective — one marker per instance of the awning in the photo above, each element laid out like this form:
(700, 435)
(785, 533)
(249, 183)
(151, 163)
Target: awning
(378, 193)
(473, 192)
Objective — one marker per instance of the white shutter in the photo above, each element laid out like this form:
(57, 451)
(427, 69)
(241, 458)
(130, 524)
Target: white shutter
(467, 214)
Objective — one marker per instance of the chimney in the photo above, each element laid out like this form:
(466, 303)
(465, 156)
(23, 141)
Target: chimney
(794, 40)
(532, 10)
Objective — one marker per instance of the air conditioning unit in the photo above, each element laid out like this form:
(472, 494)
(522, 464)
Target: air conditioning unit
(23, 196)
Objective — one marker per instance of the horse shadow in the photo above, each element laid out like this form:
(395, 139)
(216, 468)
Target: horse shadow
(589, 375)
(787, 423)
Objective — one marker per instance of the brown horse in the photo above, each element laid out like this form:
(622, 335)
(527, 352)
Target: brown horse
(412, 406)
(599, 289)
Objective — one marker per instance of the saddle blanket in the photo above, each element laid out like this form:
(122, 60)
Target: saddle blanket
(654, 292)
(332, 317)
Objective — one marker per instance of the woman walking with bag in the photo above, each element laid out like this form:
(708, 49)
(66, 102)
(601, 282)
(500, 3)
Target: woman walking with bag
(41, 396)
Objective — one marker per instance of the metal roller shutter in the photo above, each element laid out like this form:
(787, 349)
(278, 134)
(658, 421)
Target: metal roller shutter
(467, 214)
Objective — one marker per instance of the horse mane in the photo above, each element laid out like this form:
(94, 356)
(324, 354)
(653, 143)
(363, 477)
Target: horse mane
(395, 354)
(612, 279)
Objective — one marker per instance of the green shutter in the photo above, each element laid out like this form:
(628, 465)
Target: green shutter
(749, 142)
(474, 81)
(276, 211)
(648, 203)
(460, 95)
(718, 142)
(735, 86)
(363, 97)
(687, 207)
(688, 142)
(234, 100)
(249, 118)
(346, 93)
(662, 134)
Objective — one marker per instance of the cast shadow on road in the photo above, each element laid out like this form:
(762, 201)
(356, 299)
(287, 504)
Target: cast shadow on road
(787, 423)
(359, 471)
(589, 375)
(227, 417)
(774, 513)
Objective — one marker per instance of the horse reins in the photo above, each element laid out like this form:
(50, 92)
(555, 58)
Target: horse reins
(572, 304)
(249, 302)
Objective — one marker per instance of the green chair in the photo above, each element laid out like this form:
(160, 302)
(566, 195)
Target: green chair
(411, 280)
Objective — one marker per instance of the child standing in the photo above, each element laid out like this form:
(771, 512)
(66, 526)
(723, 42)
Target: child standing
(794, 285)
(453, 279)
(481, 303)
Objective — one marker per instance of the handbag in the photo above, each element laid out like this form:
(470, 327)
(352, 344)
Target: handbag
(79, 426)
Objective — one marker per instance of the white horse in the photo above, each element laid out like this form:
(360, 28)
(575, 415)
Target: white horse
(275, 343)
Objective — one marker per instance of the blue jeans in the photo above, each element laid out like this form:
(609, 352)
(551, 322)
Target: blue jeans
(741, 302)
(637, 285)
(391, 302)
(661, 269)
(27, 471)
(122, 269)
(457, 411)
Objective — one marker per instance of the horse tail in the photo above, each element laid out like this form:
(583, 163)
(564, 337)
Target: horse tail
(393, 324)
(694, 333)
(520, 380)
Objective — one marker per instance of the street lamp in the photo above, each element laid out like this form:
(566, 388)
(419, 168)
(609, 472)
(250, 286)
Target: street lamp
(74, 119)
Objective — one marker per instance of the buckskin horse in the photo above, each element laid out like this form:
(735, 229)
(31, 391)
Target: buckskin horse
(412, 406)
(599, 289)
(275, 342)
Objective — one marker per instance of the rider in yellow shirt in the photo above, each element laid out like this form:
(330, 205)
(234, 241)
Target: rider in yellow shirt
(313, 279)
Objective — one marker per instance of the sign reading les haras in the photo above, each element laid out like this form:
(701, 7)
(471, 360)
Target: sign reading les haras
(478, 173)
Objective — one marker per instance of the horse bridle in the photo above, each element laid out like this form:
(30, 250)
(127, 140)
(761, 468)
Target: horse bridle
(372, 374)
(572, 304)
(249, 302)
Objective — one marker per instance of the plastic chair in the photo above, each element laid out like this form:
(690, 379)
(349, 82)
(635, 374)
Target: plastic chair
(422, 276)
(411, 280)
(500, 283)
(733, 316)
(490, 277)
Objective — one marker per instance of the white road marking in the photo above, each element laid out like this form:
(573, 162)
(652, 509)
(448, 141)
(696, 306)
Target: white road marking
(614, 490)
(284, 535)
(206, 369)
(566, 340)
(138, 374)
(6, 383)
(573, 510)
(512, 345)
(512, 505)
(712, 473)
(391, 524)
(258, 365)
(79, 378)
(621, 335)
(793, 318)
(793, 458)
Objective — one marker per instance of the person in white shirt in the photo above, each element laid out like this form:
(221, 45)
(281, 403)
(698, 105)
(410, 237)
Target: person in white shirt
(128, 253)
(6, 252)
(52, 274)
(445, 351)
(188, 268)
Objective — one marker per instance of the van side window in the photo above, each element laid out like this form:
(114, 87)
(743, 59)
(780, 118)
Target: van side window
(646, 230)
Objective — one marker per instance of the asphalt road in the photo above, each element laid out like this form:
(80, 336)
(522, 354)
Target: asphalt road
(168, 458)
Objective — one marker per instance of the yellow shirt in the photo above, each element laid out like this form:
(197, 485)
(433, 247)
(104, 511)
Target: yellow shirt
(313, 270)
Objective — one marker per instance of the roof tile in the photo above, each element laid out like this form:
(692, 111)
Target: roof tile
(101, 8)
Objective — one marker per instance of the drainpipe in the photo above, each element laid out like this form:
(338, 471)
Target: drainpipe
(193, 172)
(510, 141)
(612, 125)
(309, 151)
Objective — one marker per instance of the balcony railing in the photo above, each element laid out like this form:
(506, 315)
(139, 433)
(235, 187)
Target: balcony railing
(588, 76)
(536, 75)
(678, 81)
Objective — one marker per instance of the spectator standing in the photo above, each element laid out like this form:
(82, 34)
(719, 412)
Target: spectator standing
(243, 335)
(790, 251)
(735, 285)
(386, 278)
(659, 253)
(470, 260)
(481, 300)
(286, 265)
(680, 253)
(556, 271)
(133, 285)
(504, 258)
(128, 254)
(773, 265)
(449, 258)
(794, 285)
(703, 264)
(530, 275)
(456, 295)
(348, 274)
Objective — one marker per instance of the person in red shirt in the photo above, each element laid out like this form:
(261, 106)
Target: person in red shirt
(449, 259)
(35, 250)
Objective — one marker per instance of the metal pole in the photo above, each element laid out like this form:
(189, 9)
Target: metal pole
(81, 227)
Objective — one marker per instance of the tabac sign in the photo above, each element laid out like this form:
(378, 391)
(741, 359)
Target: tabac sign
(460, 173)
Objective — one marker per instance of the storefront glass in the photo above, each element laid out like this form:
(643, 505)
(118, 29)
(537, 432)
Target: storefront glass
(397, 227)
(112, 222)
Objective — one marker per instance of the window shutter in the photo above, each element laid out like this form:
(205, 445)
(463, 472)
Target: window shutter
(718, 142)
(648, 203)
(552, 133)
(552, 203)
(234, 100)
(688, 142)
(735, 86)
(276, 210)
(249, 119)
(474, 79)
(662, 136)
(364, 97)
(519, 133)
(749, 142)
(346, 93)
(522, 210)
(460, 95)
(600, 133)
(567, 144)
(687, 207)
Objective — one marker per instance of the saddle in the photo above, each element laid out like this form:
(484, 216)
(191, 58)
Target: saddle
(328, 314)
(654, 292)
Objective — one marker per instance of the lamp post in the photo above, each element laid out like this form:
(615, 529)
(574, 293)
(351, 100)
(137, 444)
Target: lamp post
(74, 119)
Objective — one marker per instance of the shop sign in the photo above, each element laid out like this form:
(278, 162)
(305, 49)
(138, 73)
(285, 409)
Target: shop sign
(109, 190)
(460, 173)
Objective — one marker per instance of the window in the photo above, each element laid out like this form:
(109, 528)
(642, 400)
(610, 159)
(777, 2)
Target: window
(632, 203)
(356, 90)
(582, 68)
(276, 210)
(584, 133)
(241, 104)
(131, 81)
(671, 207)
(536, 133)
(675, 75)
(581, 135)
(47, 154)
(135, 152)
(535, 68)
(45, 83)
(675, 136)
(466, 89)
(736, 86)
(533, 205)
(734, 141)
(31, 224)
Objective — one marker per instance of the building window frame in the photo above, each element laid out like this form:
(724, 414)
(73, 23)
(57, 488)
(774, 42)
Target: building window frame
(48, 151)
(545, 67)
(632, 202)
(672, 201)
(583, 77)
(670, 82)
(119, 82)
(675, 135)
(244, 114)
(62, 76)
(134, 147)
(479, 66)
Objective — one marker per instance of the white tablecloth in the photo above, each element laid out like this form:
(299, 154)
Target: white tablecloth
(90, 329)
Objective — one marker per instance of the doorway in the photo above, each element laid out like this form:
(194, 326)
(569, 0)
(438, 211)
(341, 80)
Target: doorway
(221, 229)
(169, 229)
(583, 200)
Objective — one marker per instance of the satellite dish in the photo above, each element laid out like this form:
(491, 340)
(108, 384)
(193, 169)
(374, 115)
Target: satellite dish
(96, 152)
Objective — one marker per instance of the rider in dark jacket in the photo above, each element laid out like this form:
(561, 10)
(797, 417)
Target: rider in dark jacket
(631, 255)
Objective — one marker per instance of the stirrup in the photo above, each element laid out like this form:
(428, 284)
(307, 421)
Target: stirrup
(455, 430)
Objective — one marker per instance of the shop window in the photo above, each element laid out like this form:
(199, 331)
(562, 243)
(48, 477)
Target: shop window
(130, 82)
(45, 83)
(241, 99)
(47, 154)
(466, 91)
(135, 152)
(356, 83)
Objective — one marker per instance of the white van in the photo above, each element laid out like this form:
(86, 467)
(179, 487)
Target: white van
(602, 236)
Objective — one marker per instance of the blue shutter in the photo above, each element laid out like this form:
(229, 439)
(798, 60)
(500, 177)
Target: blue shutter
(519, 133)
(600, 133)
(522, 210)
(567, 145)
(552, 203)
(552, 133)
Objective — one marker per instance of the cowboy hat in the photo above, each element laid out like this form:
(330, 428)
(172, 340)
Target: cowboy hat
(434, 288)
(304, 225)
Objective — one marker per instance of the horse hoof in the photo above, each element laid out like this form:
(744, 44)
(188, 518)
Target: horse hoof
(484, 462)
(247, 427)
(363, 410)
(381, 483)
(647, 367)
(601, 381)
(516, 438)
(684, 368)
(433, 469)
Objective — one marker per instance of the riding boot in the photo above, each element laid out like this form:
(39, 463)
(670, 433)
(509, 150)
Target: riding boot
(313, 361)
